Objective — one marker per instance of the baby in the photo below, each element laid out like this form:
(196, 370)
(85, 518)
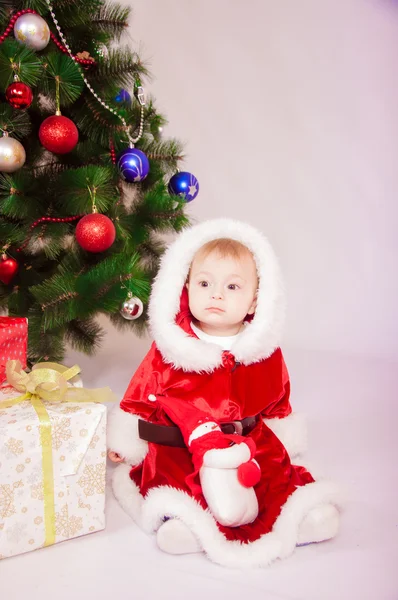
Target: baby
(205, 432)
(222, 289)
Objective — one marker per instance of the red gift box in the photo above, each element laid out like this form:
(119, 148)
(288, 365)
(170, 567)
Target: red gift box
(13, 341)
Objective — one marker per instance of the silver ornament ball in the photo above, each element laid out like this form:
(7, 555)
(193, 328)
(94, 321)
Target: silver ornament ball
(12, 154)
(32, 30)
(132, 308)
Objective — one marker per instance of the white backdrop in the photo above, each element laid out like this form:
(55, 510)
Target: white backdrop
(289, 114)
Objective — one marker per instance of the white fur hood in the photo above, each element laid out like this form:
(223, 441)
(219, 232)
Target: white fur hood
(260, 337)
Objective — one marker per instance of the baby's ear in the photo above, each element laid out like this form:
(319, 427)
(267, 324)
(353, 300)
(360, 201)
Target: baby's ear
(253, 307)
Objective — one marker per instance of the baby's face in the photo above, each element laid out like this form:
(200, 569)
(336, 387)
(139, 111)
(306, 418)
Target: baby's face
(222, 292)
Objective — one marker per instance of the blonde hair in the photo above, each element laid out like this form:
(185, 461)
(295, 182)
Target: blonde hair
(225, 248)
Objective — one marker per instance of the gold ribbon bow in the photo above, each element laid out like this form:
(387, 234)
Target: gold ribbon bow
(48, 382)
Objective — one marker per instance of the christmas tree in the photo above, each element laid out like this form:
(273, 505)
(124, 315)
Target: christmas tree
(87, 184)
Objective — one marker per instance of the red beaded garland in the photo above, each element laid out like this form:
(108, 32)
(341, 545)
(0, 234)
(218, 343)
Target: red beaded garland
(112, 152)
(82, 61)
(48, 220)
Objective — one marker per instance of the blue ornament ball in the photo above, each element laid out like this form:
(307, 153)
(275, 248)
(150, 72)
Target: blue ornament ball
(133, 165)
(123, 96)
(184, 184)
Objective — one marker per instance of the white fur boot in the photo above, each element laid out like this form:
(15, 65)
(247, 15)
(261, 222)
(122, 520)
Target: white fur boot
(174, 537)
(319, 525)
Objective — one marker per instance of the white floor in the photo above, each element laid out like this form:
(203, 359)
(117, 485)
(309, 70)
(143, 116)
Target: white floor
(352, 411)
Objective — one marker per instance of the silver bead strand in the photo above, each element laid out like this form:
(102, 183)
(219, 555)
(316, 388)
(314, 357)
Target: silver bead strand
(132, 140)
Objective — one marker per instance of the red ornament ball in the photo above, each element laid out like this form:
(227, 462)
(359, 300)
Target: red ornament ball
(95, 233)
(58, 134)
(8, 269)
(19, 95)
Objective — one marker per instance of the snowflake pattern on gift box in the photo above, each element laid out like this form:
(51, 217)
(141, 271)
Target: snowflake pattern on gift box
(7, 506)
(37, 492)
(67, 525)
(35, 476)
(60, 432)
(94, 441)
(82, 505)
(70, 410)
(14, 446)
(72, 447)
(16, 532)
(93, 479)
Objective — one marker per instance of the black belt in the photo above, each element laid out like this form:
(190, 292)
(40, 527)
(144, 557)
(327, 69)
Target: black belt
(170, 435)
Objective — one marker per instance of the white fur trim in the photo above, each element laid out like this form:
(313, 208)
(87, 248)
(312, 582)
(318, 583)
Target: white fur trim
(163, 501)
(291, 431)
(123, 438)
(227, 458)
(258, 340)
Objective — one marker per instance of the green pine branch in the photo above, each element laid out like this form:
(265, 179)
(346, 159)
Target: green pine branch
(58, 301)
(85, 185)
(60, 67)
(20, 196)
(84, 335)
(44, 344)
(107, 281)
(6, 8)
(14, 122)
(122, 67)
(96, 122)
(10, 233)
(20, 60)
(112, 19)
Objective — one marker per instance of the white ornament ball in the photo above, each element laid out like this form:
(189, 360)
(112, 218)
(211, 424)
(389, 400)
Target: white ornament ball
(12, 154)
(132, 308)
(32, 30)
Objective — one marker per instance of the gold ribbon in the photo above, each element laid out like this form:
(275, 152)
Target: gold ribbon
(47, 382)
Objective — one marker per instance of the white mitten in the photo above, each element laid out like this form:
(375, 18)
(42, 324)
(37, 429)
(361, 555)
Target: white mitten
(229, 501)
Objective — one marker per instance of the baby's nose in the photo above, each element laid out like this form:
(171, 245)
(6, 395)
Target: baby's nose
(216, 295)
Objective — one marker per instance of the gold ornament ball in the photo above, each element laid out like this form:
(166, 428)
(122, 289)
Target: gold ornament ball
(12, 154)
(32, 30)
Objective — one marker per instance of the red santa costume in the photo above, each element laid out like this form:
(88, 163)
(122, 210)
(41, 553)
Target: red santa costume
(210, 397)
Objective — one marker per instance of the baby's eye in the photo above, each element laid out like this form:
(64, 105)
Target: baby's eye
(233, 286)
(203, 283)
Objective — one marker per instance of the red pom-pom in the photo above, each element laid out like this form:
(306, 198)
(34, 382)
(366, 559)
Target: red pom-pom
(58, 134)
(19, 95)
(95, 233)
(249, 474)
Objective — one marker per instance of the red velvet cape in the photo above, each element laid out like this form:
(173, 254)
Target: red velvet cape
(229, 393)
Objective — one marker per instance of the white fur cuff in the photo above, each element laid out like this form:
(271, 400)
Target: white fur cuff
(123, 438)
(291, 431)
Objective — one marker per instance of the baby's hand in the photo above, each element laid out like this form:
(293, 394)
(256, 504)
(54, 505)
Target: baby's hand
(115, 457)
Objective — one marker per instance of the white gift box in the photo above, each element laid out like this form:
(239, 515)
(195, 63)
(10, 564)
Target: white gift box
(33, 515)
